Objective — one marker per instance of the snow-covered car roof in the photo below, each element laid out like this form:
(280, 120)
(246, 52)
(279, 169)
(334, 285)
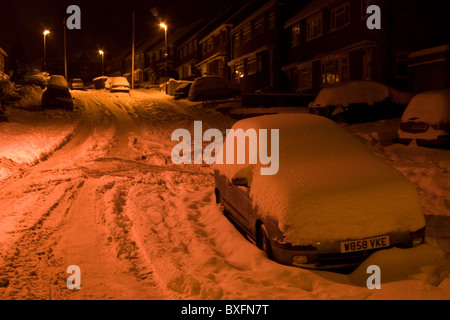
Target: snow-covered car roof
(119, 81)
(329, 185)
(57, 81)
(429, 107)
(370, 92)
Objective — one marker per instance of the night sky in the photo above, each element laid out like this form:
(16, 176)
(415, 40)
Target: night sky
(104, 24)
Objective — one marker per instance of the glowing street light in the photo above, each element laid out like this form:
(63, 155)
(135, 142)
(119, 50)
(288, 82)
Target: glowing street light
(102, 54)
(163, 25)
(45, 33)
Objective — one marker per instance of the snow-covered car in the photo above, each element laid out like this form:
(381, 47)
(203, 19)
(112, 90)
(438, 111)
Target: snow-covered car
(119, 84)
(57, 94)
(360, 101)
(332, 202)
(182, 91)
(427, 119)
(211, 88)
(108, 83)
(99, 82)
(77, 84)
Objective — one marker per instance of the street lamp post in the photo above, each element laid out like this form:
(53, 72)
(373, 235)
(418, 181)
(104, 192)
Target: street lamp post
(102, 53)
(162, 25)
(45, 33)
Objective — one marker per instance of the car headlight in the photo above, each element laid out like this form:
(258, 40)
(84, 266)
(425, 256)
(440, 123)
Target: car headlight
(300, 260)
(417, 242)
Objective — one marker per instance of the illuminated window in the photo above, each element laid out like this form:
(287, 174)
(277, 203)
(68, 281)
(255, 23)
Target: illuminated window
(335, 71)
(295, 40)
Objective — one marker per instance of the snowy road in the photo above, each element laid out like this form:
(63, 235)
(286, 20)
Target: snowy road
(110, 201)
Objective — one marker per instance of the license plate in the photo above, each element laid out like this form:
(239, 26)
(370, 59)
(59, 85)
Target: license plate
(365, 244)
(419, 127)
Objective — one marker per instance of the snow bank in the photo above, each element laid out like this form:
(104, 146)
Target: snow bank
(329, 185)
(370, 92)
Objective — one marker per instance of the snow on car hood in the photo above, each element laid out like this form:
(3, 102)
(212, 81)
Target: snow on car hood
(370, 92)
(430, 107)
(329, 185)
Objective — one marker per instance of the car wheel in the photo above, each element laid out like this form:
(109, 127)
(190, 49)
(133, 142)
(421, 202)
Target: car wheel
(264, 242)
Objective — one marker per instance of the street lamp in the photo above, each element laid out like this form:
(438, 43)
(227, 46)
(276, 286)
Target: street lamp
(163, 25)
(45, 33)
(102, 54)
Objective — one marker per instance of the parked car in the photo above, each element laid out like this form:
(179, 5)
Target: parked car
(427, 120)
(108, 83)
(57, 94)
(360, 101)
(331, 204)
(182, 91)
(119, 84)
(212, 88)
(77, 84)
(99, 82)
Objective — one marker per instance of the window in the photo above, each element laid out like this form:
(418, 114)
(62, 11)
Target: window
(209, 45)
(251, 66)
(239, 71)
(295, 40)
(259, 26)
(340, 17)
(335, 70)
(314, 27)
(272, 20)
(204, 47)
(247, 33)
(304, 77)
(190, 48)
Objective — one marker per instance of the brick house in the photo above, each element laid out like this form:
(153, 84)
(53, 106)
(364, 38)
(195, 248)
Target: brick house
(329, 42)
(255, 49)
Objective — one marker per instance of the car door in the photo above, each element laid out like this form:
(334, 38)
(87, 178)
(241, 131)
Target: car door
(240, 205)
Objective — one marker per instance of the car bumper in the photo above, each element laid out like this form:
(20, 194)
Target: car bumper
(327, 256)
(441, 141)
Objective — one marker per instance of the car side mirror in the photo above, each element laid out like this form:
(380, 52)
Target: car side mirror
(240, 181)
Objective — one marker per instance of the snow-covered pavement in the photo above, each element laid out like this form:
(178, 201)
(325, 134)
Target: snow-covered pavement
(97, 188)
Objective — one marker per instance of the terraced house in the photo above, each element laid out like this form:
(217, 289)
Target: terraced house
(329, 42)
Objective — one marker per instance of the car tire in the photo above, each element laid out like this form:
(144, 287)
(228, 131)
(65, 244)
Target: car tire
(264, 242)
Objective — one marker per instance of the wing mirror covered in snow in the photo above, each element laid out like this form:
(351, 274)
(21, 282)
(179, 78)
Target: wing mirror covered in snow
(239, 181)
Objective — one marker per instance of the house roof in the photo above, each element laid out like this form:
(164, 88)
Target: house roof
(3, 52)
(309, 9)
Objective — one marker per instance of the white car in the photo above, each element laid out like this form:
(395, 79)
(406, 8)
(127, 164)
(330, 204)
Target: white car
(427, 119)
(332, 202)
(119, 84)
(212, 88)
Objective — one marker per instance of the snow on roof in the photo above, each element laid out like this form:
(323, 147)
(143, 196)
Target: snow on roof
(329, 186)
(430, 107)
(428, 51)
(370, 92)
